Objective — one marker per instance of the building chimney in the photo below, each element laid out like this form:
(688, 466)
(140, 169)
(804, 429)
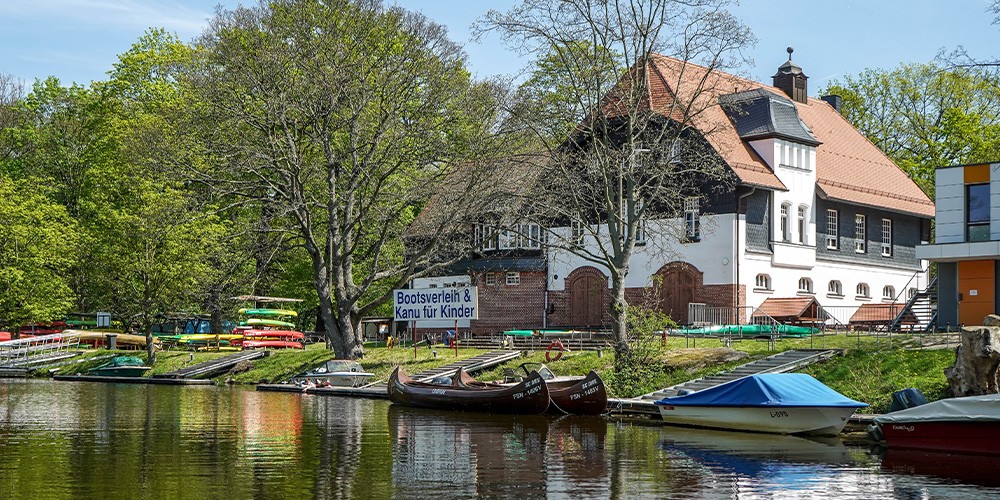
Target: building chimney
(792, 80)
(834, 100)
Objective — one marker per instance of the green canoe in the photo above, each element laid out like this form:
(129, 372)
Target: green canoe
(750, 330)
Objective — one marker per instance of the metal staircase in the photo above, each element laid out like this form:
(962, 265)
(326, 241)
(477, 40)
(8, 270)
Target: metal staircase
(920, 311)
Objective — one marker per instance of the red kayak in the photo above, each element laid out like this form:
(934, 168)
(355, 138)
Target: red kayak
(271, 344)
(273, 334)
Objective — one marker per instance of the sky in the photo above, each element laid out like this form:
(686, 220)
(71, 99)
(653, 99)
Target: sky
(79, 40)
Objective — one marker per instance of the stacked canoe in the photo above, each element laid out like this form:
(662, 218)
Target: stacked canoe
(268, 329)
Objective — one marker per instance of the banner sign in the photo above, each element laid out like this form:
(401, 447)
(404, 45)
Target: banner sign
(451, 303)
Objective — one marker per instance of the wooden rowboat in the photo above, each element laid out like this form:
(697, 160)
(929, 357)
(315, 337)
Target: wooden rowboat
(567, 395)
(530, 396)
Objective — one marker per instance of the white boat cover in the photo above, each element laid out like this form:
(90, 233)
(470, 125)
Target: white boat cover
(971, 408)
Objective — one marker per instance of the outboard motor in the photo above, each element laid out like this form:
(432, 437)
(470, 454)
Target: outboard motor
(906, 398)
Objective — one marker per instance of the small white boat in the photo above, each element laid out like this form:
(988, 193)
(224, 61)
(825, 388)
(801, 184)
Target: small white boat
(336, 372)
(780, 403)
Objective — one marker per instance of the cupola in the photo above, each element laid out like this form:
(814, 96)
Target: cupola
(791, 80)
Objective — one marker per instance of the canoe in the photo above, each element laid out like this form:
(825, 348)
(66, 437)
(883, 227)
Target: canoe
(749, 330)
(571, 395)
(201, 339)
(955, 425)
(269, 322)
(96, 338)
(780, 403)
(121, 366)
(269, 312)
(530, 396)
(271, 344)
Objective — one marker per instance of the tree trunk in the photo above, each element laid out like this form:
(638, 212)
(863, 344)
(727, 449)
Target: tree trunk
(619, 327)
(147, 327)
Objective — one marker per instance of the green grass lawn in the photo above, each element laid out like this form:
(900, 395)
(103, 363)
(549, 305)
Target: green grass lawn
(870, 371)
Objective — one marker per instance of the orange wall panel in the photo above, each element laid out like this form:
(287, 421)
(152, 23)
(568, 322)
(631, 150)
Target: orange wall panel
(976, 277)
(977, 174)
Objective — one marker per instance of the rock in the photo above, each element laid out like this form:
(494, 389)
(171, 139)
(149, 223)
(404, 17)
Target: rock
(242, 366)
(991, 320)
(977, 363)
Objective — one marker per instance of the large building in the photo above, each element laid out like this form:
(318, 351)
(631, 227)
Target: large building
(817, 213)
(967, 243)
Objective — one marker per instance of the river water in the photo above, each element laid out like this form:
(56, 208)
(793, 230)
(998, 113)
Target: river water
(93, 440)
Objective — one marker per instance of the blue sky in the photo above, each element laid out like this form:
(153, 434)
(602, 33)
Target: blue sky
(79, 40)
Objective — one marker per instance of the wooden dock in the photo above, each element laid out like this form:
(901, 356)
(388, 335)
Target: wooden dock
(381, 390)
(133, 380)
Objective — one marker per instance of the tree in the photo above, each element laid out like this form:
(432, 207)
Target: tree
(38, 243)
(344, 117)
(619, 166)
(924, 116)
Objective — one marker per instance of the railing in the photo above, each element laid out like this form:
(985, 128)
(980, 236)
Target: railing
(706, 315)
(25, 351)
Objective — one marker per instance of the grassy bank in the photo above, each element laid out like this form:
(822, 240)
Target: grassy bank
(870, 371)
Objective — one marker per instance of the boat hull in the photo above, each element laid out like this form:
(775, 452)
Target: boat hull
(531, 396)
(119, 371)
(815, 420)
(271, 344)
(586, 396)
(981, 437)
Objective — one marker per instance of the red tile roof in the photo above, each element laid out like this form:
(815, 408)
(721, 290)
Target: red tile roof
(849, 167)
(787, 308)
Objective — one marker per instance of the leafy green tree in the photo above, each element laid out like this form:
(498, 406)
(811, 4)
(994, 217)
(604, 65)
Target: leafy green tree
(38, 245)
(343, 118)
(621, 165)
(924, 116)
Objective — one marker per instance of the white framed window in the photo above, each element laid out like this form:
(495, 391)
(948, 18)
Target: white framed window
(640, 232)
(491, 279)
(832, 229)
(576, 232)
(513, 278)
(675, 152)
(805, 285)
(531, 236)
(692, 217)
(888, 292)
(859, 233)
(887, 237)
(800, 222)
(786, 230)
(763, 282)
(484, 237)
(862, 291)
(835, 288)
(912, 292)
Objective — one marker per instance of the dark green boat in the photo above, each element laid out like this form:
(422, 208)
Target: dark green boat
(121, 366)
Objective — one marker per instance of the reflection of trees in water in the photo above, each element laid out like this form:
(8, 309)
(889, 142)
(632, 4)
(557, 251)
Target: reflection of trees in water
(340, 424)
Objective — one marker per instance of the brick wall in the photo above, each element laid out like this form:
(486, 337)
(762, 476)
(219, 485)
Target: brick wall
(507, 307)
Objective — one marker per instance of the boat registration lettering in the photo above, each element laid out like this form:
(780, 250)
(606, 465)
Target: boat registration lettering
(907, 428)
(589, 384)
(437, 391)
(779, 414)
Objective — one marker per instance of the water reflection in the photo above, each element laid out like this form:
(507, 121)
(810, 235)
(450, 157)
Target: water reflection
(79, 440)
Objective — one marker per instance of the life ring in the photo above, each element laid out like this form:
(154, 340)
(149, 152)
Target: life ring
(556, 346)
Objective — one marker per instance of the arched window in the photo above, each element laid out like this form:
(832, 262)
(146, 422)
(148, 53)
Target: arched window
(835, 288)
(805, 285)
(763, 282)
(786, 229)
(862, 291)
(888, 292)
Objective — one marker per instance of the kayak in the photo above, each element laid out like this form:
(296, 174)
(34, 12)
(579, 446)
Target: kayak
(269, 312)
(750, 330)
(269, 322)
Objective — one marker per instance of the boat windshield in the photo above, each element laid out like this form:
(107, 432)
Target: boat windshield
(542, 370)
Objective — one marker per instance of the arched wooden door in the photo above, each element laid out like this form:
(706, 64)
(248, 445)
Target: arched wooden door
(677, 291)
(586, 299)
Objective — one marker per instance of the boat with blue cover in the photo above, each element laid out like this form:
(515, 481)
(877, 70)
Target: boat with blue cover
(781, 403)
